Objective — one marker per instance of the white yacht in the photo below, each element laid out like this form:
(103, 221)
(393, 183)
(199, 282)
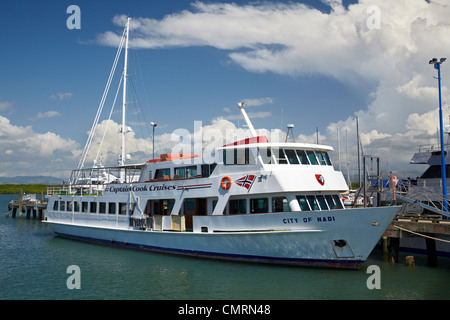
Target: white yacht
(261, 201)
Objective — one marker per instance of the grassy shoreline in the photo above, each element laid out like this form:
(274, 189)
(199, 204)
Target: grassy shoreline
(26, 188)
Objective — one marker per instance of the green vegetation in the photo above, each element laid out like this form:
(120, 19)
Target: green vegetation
(26, 188)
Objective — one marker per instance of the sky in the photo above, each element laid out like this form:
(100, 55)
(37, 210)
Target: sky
(316, 64)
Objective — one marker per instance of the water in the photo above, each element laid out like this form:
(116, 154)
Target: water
(34, 262)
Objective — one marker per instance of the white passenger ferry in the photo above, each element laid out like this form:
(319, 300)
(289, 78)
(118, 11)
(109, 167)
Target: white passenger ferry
(262, 201)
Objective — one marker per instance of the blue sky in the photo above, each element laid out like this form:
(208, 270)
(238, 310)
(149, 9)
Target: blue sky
(317, 66)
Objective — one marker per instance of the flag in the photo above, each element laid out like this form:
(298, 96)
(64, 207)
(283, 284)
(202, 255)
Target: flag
(246, 181)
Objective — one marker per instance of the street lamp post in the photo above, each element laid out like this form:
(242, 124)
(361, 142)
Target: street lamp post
(153, 124)
(437, 66)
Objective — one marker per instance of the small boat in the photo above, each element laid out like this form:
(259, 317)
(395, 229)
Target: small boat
(258, 201)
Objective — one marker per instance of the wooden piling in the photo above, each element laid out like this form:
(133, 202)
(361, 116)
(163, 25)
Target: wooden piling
(431, 252)
(409, 261)
(20, 203)
(394, 247)
(384, 241)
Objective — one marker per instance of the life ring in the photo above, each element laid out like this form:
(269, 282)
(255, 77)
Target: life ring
(225, 183)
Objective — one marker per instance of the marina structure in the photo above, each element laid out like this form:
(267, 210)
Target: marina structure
(423, 224)
(259, 201)
(28, 206)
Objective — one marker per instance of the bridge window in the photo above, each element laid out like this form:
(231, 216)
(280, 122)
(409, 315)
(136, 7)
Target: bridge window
(302, 156)
(291, 156)
(303, 203)
(337, 202)
(312, 158)
(327, 158)
(313, 202)
(322, 203)
(323, 157)
(281, 158)
(238, 156)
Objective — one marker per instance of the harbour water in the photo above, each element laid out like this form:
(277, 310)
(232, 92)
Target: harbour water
(34, 265)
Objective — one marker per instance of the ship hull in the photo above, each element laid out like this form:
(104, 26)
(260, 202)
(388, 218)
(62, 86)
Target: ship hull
(339, 238)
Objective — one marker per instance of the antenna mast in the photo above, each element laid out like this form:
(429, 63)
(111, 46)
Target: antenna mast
(247, 120)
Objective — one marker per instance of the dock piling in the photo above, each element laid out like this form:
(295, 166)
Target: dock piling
(20, 203)
(431, 252)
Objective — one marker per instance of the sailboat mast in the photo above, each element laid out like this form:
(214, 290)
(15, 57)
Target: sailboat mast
(125, 74)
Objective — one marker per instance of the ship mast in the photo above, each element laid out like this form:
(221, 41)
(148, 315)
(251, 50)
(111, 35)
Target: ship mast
(124, 100)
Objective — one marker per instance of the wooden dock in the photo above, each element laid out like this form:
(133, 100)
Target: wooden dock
(429, 228)
(27, 206)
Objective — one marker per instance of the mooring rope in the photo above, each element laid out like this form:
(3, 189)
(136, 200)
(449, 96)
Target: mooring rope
(420, 234)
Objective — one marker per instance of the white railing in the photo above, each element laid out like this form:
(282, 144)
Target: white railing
(76, 190)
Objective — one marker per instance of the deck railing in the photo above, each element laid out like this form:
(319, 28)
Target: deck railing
(76, 190)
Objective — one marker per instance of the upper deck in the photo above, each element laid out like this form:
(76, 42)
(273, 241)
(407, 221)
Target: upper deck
(256, 154)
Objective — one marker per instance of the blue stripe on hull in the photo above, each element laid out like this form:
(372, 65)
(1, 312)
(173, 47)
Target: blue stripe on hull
(342, 264)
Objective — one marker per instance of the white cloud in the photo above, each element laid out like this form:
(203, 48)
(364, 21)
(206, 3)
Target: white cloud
(251, 115)
(138, 148)
(28, 152)
(48, 114)
(61, 96)
(257, 102)
(5, 105)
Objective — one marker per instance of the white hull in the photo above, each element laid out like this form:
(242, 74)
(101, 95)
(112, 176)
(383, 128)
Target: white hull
(298, 238)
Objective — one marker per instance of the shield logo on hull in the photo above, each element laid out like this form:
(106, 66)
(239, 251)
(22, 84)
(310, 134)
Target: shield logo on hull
(320, 179)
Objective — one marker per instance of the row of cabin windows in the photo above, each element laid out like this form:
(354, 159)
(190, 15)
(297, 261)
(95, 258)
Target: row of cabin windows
(303, 157)
(280, 204)
(235, 206)
(282, 156)
(93, 207)
(185, 172)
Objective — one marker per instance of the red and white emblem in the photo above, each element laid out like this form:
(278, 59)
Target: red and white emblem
(320, 179)
(246, 181)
